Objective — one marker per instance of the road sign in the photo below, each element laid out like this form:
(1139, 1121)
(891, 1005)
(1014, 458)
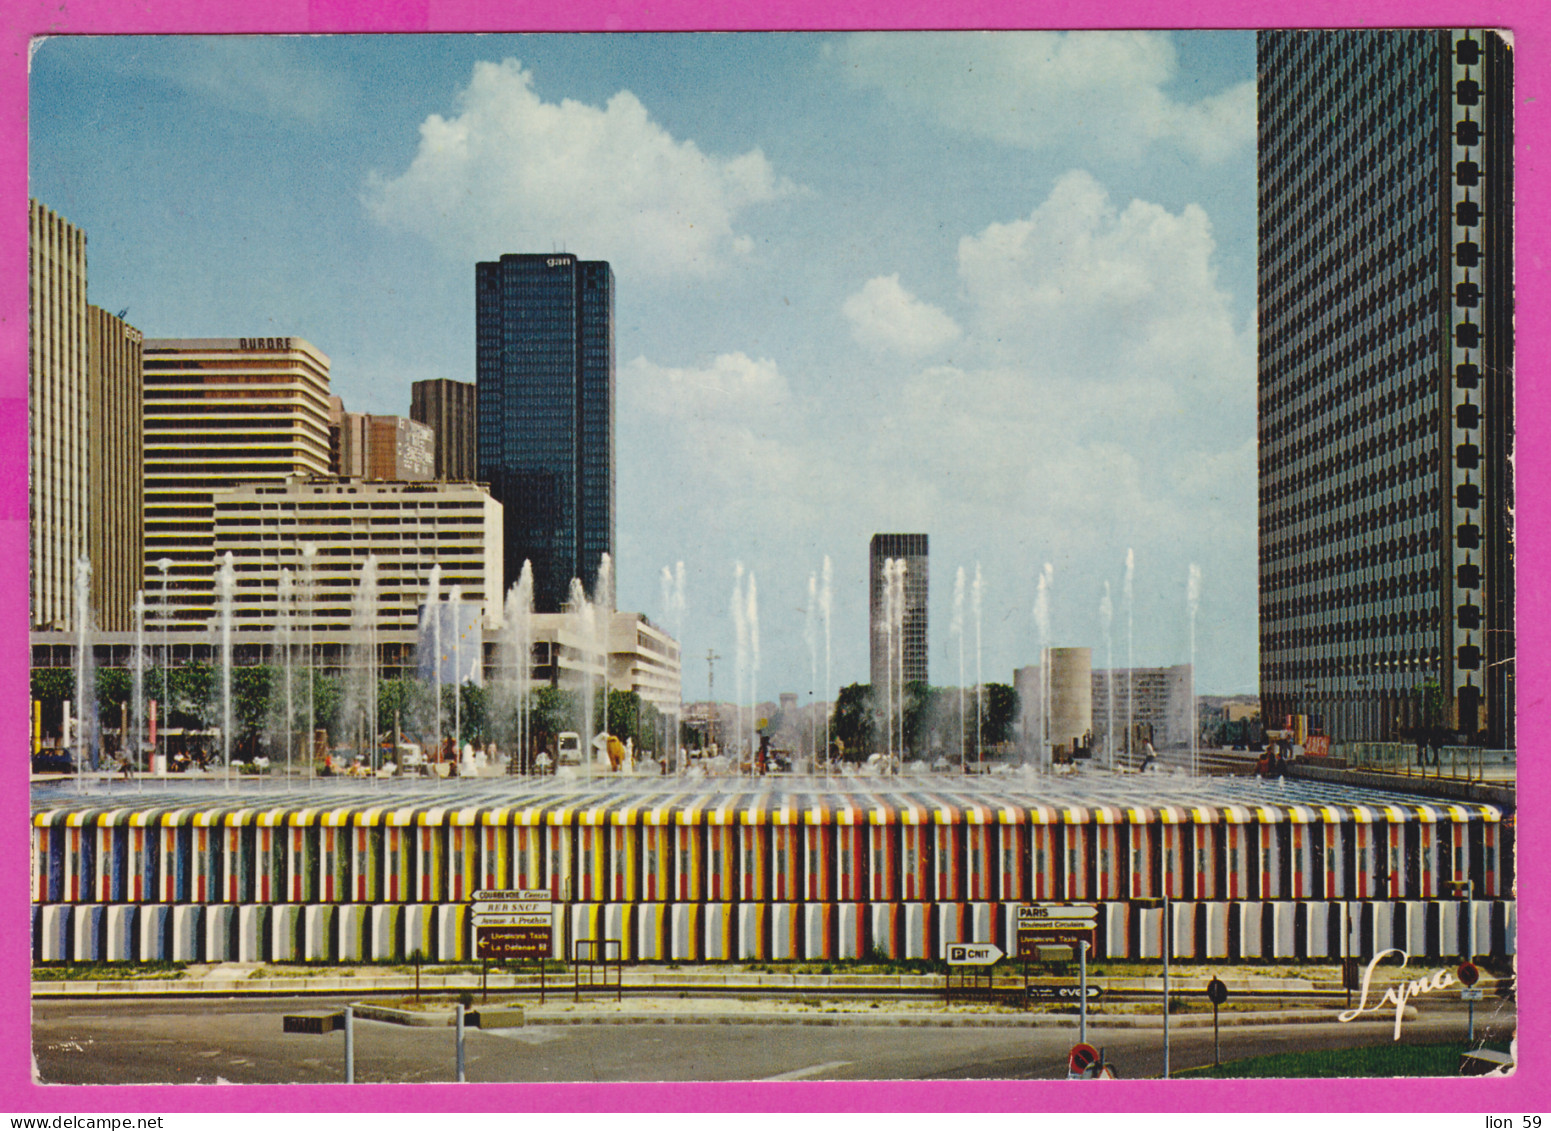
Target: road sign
(1472, 995)
(527, 895)
(513, 942)
(1037, 914)
(487, 920)
(512, 907)
(1063, 993)
(1468, 973)
(973, 954)
(1216, 992)
(1030, 943)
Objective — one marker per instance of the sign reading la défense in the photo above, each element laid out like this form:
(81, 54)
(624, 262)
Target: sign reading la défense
(973, 954)
(513, 924)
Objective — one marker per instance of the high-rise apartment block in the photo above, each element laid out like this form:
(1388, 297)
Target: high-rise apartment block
(545, 365)
(406, 528)
(1386, 382)
(57, 413)
(909, 638)
(448, 409)
(84, 437)
(115, 502)
(222, 413)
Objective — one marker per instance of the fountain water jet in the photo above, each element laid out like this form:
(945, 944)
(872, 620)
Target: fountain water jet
(1106, 618)
(957, 628)
(1042, 620)
(976, 598)
(85, 668)
(1130, 596)
(1192, 604)
(226, 589)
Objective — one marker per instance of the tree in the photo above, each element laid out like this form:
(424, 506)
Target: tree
(250, 699)
(920, 710)
(998, 713)
(554, 711)
(852, 722)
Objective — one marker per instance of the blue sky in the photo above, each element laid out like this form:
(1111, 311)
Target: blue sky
(994, 287)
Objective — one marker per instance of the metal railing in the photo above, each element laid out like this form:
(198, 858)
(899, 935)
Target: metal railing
(1454, 763)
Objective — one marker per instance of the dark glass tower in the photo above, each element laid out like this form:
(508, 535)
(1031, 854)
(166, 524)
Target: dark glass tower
(912, 549)
(544, 360)
(1386, 382)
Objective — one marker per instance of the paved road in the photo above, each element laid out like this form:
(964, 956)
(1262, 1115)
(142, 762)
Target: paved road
(240, 1041)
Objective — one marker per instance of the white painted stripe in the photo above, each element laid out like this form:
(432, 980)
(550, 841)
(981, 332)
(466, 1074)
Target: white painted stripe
(806, 1073)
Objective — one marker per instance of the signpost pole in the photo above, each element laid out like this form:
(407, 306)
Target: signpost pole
(349, 1045)
(1082, 993)
(1216, 1037)
(458, 1020)
(484, 981)
(1166, 949)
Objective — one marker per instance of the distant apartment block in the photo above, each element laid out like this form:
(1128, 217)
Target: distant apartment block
(449, 409)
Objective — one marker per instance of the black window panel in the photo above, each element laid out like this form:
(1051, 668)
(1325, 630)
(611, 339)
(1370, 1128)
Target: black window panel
(1467, 335)
(1467, 295)
(1467, 92)
(1467, 254)
(1467, 375)
(1468, 616)
(1467, 52)
(1467, 456)
(1468, 416)
(1467, 173)
(1468, 495)
(1467, 213)
(1468, 576)
(1467, 132)
(1469, 658)
(1468, 536)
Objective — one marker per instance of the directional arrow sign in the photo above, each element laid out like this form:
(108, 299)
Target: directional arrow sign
(1035, 913)
(527, 895)
(973, 954)
(1063, 993)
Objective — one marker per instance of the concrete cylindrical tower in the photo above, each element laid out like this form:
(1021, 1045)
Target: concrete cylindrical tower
(1071, 696)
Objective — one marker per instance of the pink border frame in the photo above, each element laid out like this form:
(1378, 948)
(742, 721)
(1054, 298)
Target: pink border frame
(1523, 1093)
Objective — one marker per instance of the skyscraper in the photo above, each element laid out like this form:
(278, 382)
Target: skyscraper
(544, 360)
(910, 637)
(1386, 382)
(447, 407)
(57, 408)
(85, 457)
(222, 413)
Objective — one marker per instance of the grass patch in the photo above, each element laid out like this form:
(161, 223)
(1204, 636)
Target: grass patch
(1372, 1060)
(105, 971)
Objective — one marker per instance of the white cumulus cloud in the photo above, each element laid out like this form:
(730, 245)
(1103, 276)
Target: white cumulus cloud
(1039, 89)
(886, 317)
(511, 172)
(1094, 290)
(732, 385)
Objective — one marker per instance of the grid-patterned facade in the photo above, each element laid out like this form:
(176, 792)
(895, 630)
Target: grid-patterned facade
(1385, 382)
(545, 414)
(407, 527)
(57, 405)
(447, 408)
(114, 530)
(911, 654)
(221, 413)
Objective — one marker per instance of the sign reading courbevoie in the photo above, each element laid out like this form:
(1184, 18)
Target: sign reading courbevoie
(513, 924)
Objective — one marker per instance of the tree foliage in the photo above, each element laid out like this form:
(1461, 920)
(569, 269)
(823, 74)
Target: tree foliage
(852, 722)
